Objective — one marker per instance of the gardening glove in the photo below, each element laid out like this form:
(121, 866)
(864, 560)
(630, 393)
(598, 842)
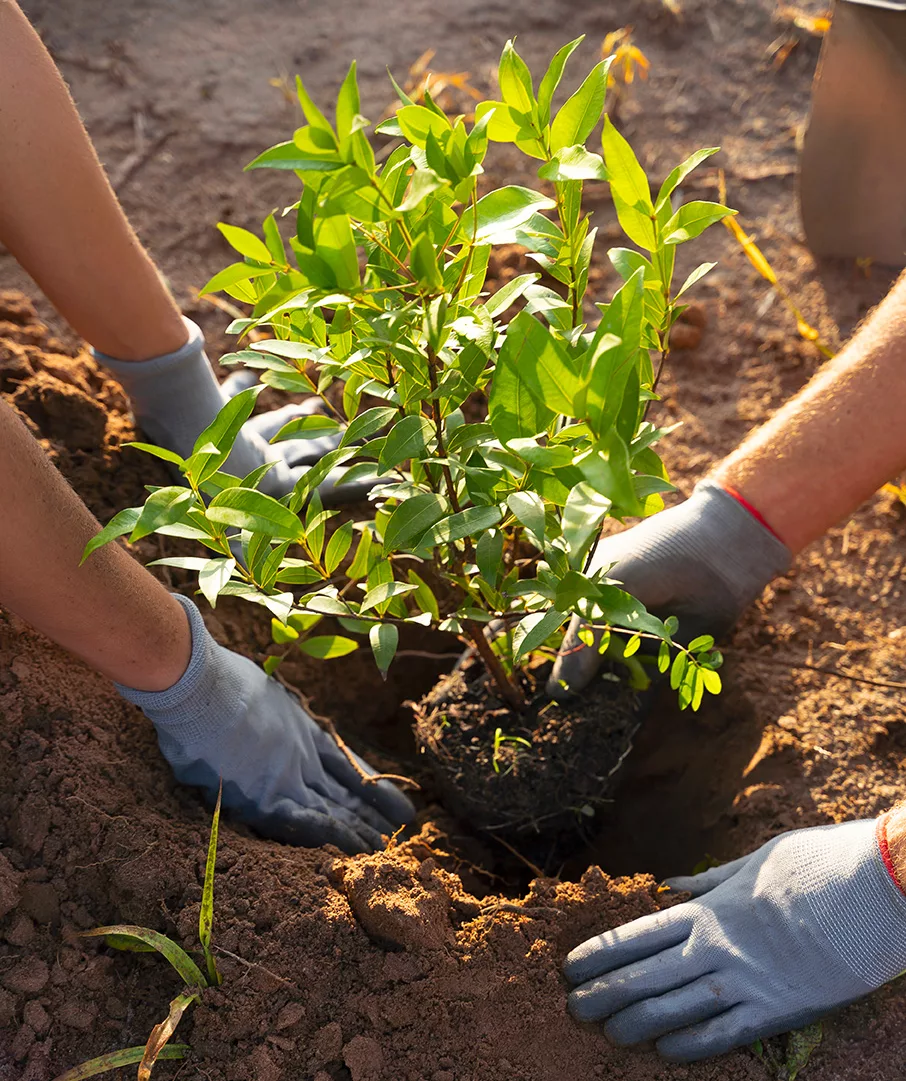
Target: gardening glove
(811, 921)
(703, 561)
(282, 774)
(176, 396)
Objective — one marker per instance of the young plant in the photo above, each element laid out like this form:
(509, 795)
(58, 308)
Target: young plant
(378, 304)
(123, 936)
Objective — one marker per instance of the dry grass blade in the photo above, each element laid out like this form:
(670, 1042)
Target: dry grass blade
(178, 958)
(160, 1034)
(206, 915)
(127, 1057)
(757, 258)
(898, 491)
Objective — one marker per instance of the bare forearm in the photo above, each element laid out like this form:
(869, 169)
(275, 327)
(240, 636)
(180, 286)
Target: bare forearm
(59, 216)
(110, 611)
(837, 441)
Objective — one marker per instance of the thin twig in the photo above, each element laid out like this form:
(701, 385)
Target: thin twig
(531, 866)
(142, 154)
(331, 729)
(834, 672)
(254, 964)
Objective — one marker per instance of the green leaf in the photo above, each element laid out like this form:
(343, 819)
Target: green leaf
(700, 271)
(504, 124)
(129, 1056)
(513, 410)
(158, 452)
(406, 439)
(232, 276)
(337, 547)
(206, 912)
(583, 514)
(189, 972)
(626, 261)
(534, 630)
(627, 177)
(313, 426)
(515, 80)
(632, 646)
(509, 294)
(384, 592)
(367, 423)
(551, 79)
(465, 523)
(501, 212)
(213, 445)
(703, 642)
(312, 113)
(710, 680)
(328, 646)
(213, 576)
(692, 219)
(411, 518)
(310, 479)
(248, 509)
(245, 243)
(416, 123)
(336, 246)
(121, 523)
(489, 555)
(577, 118)
(422, 184)
(282, 633)
(606, 468)
(529, 509)
(271, 664)
(289, 156)
(614, 353)
(542, 363)
(162, 507)
(678, 670)
(348, 104)
(663, 657)
(384, 639)
(423, 264)
(574, 163)
(679, 174)
(424, 596)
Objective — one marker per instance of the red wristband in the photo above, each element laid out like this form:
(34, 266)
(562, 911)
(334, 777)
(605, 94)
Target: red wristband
(884, 848)
(756, 514)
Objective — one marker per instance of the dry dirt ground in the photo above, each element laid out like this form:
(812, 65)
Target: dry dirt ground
(399, 966)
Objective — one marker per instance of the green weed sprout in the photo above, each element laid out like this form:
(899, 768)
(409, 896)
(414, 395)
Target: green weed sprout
(499, 740)
(378, 304)
(124, 936)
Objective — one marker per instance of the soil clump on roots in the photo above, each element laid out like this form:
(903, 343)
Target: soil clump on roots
(564, 767)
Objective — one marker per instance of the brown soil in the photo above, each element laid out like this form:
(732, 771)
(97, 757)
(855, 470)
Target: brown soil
(551, 787)
(434, 962)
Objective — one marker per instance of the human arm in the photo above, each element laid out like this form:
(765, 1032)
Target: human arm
(61, 220)
(813, 920)
(818, 458)
(216, 713)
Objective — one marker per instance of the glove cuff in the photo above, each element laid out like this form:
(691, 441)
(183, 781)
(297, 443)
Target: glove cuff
(167, 709)
(734, 543)
(133, 374)
(864, 914)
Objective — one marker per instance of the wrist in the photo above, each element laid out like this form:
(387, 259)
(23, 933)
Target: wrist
(892, 844)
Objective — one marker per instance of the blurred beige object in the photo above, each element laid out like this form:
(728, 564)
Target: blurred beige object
(852, 184)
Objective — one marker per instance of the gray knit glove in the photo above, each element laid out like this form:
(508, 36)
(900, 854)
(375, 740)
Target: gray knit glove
(176, 396)
(282, 774)
(811, 921)
(703, 561)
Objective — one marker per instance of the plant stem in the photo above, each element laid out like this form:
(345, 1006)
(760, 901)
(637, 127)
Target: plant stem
(511, 691)
(439, 431)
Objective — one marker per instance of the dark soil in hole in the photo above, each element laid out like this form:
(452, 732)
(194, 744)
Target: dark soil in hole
(557, 783)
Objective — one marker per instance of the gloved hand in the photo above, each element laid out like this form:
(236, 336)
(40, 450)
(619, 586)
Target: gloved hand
(703, 561)
(282, 774)
(176, 396)
(811, 921)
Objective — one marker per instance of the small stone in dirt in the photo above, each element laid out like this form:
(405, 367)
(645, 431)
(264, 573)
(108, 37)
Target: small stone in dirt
(685, 336)
(28, 977)
(291, 1014)
(443, 1075)
(75, 1014)
(22, 1042)
(9, 886)
(35, 1015)
(22, 931)
(364, 1057)
(7, 1008)
(40, 901)
(327, 1043)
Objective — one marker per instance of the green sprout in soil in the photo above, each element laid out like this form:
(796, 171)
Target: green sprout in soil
(124, 936)
(499, 740)
(502, 425)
